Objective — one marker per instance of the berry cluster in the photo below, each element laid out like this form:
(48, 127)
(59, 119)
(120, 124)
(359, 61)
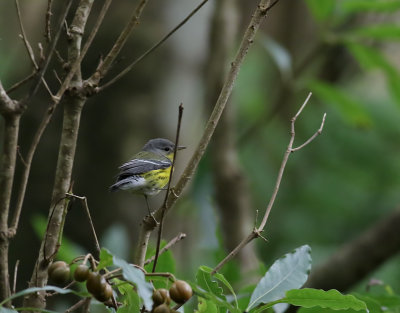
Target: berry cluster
(96, 284)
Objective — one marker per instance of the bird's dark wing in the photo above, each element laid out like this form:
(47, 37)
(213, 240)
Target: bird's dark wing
(140, 165)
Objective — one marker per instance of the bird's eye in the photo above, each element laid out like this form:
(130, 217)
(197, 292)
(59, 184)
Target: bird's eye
(166, 149)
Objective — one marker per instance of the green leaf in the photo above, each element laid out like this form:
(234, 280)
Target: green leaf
(383, 31)
(206, 306)
(289, 272)
(46, 288)
(219, 301)
(136, 276)
(130, 299)
(331, 299)
(350, 109)
(321, 10)
(222, 279)
(353, 6)
(205, 281)
(106, 259)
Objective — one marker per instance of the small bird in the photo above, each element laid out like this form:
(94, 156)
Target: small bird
(149, 170)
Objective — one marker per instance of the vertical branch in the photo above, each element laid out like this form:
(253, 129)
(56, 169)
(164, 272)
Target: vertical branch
(7, 170)
(178, 130)
(73, 105)
(11, 112)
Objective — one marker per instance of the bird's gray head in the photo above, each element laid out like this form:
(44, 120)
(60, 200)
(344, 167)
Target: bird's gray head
(160, 146)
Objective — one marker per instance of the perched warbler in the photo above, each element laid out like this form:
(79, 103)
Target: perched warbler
(149, 170)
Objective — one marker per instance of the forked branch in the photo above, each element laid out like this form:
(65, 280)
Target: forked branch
(256, 232)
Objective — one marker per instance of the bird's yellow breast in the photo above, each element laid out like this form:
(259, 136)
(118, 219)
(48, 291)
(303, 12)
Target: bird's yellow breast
(157, 178)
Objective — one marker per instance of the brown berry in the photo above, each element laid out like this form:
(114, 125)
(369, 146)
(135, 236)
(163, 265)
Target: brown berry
(180, 291)
(55, 265)
(81, 273)
(59, 272)
(161, 296)
(95, 283)
(162, 308)
(105, 294)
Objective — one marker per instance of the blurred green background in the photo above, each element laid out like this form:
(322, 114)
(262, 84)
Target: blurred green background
(346, 52)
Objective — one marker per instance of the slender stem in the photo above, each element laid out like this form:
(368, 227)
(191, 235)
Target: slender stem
(24, 39)
(86, 206)
(29, 47)
(163, 209)
(173, 241)
(14, 289)
(130, 66)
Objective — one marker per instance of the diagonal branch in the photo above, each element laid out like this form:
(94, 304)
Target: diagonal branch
(140, 58)
(256, 232)
(173, 241)
(28, 46)
(23, 36)
(42, 70)
(119, 44)
(258, 16)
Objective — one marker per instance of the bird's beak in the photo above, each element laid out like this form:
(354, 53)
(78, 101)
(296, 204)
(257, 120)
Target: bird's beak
(180, 147)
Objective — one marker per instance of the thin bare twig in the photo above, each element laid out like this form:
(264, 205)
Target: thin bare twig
(21, 82)
(164, 206)
(28, 46)
(317, 133)
(145, 54)
(23, 36)
(76, 306)
(85, 205)
(173, 241)
(14, 289)
(256, 232)
(42, 70)
(118, 45)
